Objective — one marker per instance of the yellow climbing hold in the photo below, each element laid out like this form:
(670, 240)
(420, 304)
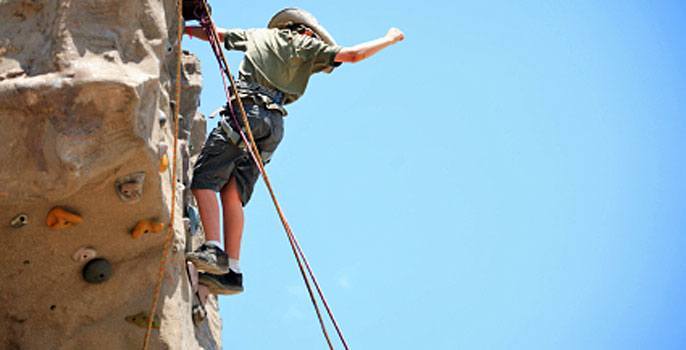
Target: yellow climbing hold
(59, 218)
(146, 226)
(141, 320)
(164, 163)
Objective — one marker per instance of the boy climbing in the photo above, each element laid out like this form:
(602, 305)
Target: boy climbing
(278, 63)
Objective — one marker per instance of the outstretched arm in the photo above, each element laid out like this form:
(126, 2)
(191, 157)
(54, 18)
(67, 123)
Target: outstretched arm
(365, 50)
(198, 32)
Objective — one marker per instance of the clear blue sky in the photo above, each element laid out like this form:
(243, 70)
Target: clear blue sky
(512, 176)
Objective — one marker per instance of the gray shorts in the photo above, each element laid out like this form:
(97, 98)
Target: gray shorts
(220, 159)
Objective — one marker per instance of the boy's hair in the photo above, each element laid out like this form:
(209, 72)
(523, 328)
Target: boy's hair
(300, 28)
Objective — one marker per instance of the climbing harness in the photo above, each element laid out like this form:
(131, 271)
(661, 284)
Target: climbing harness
(271, 99)
(303, 264)
(234, 135)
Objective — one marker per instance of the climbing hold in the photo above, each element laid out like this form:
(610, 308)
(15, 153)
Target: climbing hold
(194, 217)
(162, 149)
(199, 314)
(162, 119)
(164, 163)
(97, 271)
(84, 254)
(146, 226)
(164, 159)
(59, 218)
(19, 221)
(141, 320)
(130, 187)
(130, 192)
(178, 245)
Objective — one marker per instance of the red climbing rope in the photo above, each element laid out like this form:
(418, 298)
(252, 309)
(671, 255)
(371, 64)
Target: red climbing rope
(170, 228)
(301, 259)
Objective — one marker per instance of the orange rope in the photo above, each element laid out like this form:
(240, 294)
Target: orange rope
(170, 227)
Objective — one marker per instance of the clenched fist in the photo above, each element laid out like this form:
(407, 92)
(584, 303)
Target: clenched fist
(395, 35)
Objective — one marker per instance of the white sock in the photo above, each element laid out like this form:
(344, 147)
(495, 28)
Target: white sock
(234, 265)
(215, 244)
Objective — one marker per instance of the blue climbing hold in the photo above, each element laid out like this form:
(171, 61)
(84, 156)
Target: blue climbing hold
(194, 216)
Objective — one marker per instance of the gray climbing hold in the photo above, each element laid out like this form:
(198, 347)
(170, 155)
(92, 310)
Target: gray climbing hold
(178, 245)
(199, 314)
(97, 271)
(19, 221)
(84, 254)
(162, 119)
(194, 217)
(130, 187)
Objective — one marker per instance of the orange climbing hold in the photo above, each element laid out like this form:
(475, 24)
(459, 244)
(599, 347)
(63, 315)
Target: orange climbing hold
(164, 163)
(59, 218)
(146, 226)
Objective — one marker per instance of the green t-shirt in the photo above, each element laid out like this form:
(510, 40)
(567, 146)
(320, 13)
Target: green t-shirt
(281, 59)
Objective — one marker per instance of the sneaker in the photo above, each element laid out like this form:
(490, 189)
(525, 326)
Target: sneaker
(210, 259)
(224, 284)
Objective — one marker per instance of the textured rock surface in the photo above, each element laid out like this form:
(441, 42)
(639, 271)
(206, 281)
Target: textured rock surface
(85, 87)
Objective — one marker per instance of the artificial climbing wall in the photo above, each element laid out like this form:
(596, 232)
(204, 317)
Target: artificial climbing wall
(86, 102)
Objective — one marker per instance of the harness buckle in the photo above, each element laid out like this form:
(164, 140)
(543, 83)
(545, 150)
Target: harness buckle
(233, 135)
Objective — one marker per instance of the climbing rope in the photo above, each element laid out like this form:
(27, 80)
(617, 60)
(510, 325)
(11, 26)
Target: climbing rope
(303, 264)
(170, 228)
(253, 150)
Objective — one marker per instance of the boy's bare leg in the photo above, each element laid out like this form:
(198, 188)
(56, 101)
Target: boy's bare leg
(209, 212)
(231, 280)
(233, 219)
(209, 257)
